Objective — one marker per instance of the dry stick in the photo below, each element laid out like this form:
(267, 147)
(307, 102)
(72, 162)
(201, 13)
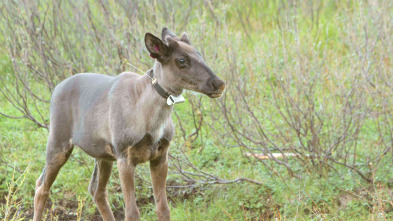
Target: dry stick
(13, 167)
(181, 126)
(20, 107)
(26, 86)
(234, 135)
(352, 168)
(318, 210)
(243, 25)
(208, 176)
(275, 155)
(198, 125)
(10, 97)
(284, 181)
(185, 20)
(266, 137)
(215, 179)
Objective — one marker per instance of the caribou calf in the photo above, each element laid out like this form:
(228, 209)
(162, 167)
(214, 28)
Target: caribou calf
(127, 119)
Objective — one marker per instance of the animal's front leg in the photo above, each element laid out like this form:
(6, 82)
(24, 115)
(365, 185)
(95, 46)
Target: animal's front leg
(126, 173)
(159, 171)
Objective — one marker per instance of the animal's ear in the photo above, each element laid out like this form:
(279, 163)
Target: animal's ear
(166, 32)
(184, 38)
(156, 47)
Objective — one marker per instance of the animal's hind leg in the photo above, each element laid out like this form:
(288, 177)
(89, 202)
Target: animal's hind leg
(56, 156)
(97, 187)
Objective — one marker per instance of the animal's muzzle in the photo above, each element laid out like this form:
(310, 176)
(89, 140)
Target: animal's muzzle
(217, 85)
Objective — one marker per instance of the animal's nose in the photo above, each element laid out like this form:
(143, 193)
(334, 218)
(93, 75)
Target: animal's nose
(218, 84)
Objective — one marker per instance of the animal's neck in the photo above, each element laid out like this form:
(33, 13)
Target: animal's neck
(160, 74)
(151, 107)
(150, 102)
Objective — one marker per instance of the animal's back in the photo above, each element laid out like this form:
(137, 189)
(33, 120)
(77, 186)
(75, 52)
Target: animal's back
(79, 107)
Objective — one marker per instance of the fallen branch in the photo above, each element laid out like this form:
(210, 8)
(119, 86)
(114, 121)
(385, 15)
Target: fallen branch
(272, 155)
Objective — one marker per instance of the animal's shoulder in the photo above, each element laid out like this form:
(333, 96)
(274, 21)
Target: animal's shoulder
(90, 77)
(128, 75)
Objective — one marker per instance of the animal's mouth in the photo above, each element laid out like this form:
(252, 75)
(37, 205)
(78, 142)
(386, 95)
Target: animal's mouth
(215, 94)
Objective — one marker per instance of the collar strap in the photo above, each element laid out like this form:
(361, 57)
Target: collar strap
(157, 86)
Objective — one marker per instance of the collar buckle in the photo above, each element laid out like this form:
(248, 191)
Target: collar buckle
(154, 81)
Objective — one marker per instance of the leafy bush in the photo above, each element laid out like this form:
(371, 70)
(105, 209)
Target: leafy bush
(313, 79)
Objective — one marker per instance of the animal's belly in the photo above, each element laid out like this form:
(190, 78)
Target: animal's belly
(144, 150)
(99, 149)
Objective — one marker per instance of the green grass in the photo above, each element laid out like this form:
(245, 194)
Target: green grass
(313, 197)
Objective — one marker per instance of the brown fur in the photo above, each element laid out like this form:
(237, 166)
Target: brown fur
(123, 119)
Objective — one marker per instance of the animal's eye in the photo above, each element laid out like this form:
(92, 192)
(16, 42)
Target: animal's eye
(182, 61)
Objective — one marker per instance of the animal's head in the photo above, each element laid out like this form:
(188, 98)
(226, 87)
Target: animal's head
(182, 65)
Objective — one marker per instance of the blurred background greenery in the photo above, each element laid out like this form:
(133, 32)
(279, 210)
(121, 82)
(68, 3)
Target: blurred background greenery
(310, 78)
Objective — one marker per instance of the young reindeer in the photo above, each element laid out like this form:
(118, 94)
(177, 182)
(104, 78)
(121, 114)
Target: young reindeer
(125, 119)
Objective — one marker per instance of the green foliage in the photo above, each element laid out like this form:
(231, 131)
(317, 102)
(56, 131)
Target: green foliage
(319, 52)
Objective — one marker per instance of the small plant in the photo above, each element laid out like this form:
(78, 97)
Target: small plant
(11, 209)
(81, 203)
